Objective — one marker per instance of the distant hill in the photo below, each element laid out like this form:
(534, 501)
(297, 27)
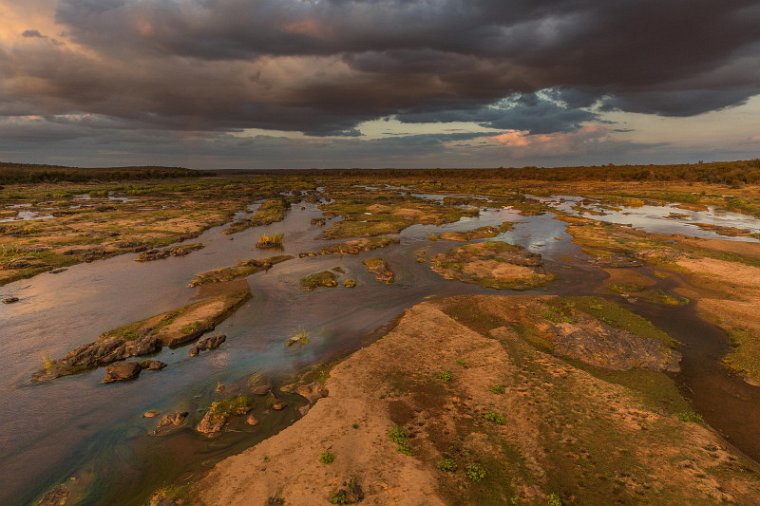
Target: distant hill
(29, 173)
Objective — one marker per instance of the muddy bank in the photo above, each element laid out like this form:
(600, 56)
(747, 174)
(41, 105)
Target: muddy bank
(463, 403)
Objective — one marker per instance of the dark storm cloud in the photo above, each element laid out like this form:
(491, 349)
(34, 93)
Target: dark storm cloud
(323, 66)
(538, 113)
(32, 33)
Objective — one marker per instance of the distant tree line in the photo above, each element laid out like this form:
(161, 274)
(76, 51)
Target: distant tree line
(728, 173)
(19, 173)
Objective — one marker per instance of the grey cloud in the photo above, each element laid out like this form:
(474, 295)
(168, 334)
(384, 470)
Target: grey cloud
(322, 67)
(28, 34)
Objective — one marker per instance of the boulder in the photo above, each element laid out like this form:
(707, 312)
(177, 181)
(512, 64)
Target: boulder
(123, 371)
(251, 420)
(212, 422)
(169, 422)
(207, 344)
(10, 300)
(152, 365)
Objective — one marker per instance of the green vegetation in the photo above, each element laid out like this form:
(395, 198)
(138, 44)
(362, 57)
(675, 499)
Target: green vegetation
(475, 472)
(397, 434)
(494, 417)
(326, 457)
(313, 281)
(613, 315)
(172, 494)
(446, 376)
(235, 405)
(270, 211)
(689, 416)
(496, 389)
(301, 337)
(447, 465)
(744, 356)
(380, 269)
(22, 173)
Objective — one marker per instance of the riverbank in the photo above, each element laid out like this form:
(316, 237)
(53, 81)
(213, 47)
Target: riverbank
(464, 403)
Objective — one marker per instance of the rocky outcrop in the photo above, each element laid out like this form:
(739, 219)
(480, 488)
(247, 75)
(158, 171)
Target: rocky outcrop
(102, 352)
(494, 264)
(152, 365)
(123, 371)
(598, 344)
(217, 415)
(212, 422)
(174, 251)
(352, 247)
(148, 336)
(259, 385)
(207, 344)
(243, 269)
(380, 269)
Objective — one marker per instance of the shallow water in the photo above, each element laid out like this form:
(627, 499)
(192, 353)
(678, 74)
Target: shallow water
(660, 219)
(53, 430)
(27, 216)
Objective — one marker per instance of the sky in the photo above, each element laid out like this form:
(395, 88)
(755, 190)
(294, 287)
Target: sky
(378, 83)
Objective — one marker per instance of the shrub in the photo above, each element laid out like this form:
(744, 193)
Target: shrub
(475, 472)
(327, 457)
(494, 417)
(398, 436)
(447, 465)
(446, 376)
(496, 389)
(270, 241)
(553, 500)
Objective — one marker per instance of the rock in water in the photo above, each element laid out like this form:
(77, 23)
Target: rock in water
(122, 371)
(251, 420)
(169, 422)
(212, 422)
(152, 365)
(207, 344)
(152, 413)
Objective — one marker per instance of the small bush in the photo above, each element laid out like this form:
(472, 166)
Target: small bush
(446, 376)
(447, 465)
(496, 389)
(270, 241)
(398, 436)
(553, 500)
(475, 472)
(689, 416)
(327, 457)
(494, 417)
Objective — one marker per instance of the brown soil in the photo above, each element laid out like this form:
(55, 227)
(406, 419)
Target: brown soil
(555, 430)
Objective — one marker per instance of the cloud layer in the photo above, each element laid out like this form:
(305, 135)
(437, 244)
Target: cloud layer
(323, 67)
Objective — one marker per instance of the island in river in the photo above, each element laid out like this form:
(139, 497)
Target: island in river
(515, 336)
